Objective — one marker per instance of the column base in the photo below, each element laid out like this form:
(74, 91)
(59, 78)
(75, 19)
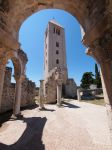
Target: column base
(17, 111)
(59, 104)
(42, 108)
(109, 114)
(16, 116)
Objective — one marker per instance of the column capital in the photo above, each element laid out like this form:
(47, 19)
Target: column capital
(19, 77)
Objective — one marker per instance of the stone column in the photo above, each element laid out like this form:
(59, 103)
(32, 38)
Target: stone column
(101, 51)
(2, 74)
(59, 94)
(17, 103)
(106, 76)
(78, 95)
(41, 95)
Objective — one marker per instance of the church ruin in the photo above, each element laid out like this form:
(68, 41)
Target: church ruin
(95, 18)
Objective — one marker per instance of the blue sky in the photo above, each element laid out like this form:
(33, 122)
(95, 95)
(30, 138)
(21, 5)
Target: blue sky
(31, 37)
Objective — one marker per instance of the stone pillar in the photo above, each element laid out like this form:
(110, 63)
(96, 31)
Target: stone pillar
(106, 76)
(17, 103)
(2, 74)
(78, 95)
(41, 95)
(59, 94)
(101, 51)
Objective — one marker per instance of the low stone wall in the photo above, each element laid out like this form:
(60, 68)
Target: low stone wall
(89, 94)
(8, 96)
(28, 93)
(69, 90)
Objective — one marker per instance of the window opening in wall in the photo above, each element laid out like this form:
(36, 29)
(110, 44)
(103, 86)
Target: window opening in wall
(57, 44)
(54, 30)
(57, 52)
(58, 31)
(57, 61)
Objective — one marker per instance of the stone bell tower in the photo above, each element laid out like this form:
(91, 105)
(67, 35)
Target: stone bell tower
(54, 49)
(56, 82)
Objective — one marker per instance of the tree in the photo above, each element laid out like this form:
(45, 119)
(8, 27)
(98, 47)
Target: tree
(97, 77)
(87, 80)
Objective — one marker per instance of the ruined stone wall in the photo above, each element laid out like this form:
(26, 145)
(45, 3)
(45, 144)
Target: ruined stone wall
(8, 91)
(51, 93)
(8, 96)
(70, 89)
(28, 93)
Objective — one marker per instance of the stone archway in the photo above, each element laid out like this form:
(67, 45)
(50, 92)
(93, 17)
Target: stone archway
(95, 17)
(19, 60)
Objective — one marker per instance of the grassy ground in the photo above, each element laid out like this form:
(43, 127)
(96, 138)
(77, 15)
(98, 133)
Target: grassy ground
(95, 101)
(99, 100)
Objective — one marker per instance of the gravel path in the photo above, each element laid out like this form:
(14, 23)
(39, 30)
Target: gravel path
(74, 126)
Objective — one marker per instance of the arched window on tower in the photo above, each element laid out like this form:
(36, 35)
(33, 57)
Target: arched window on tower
(58, 32)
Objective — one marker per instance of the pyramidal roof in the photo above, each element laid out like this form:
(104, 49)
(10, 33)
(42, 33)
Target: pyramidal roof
(54, 22)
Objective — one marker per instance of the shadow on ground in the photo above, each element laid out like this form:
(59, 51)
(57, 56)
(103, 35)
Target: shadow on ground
(47, 109)
(7, 115)
(65, 104)
(30, 107)
(31, 139)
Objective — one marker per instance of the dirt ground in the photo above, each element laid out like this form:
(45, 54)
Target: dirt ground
(74, 126)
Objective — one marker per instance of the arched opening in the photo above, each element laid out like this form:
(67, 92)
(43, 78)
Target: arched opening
(31, 37)
(8, 95)
(11, 84)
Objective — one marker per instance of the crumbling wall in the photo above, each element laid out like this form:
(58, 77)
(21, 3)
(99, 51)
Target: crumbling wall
(28, 93)
(8, 96)
(50, 91)
(70, 89)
